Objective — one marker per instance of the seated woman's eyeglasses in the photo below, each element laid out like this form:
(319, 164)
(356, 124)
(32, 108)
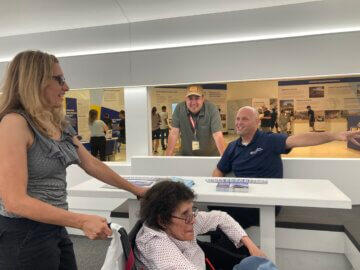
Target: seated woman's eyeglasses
(60, 79)
(190, 217)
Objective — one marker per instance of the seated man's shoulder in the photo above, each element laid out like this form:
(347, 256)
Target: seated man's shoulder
(233, 143)
(271, 137)
(231, 147)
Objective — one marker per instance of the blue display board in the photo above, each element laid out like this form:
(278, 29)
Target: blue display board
(112, 113)
(71, 112)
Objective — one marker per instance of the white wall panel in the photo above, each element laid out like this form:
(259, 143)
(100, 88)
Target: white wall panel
(342, 172)
(352, 253)
(69, 42)
(102, 70)
(291, 57)
(138, 122)
(262, 23)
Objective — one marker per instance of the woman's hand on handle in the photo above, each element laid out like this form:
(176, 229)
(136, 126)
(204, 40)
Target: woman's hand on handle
(140, 191)
(95, 227)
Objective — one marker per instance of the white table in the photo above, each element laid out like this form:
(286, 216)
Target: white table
(285, 192)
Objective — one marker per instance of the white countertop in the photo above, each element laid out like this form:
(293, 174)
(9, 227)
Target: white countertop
(286, 192)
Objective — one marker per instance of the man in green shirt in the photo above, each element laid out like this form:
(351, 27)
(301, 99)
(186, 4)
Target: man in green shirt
(199, 125)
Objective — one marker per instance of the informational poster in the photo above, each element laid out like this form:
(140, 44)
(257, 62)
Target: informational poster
(83, 117)
(329, 98)
(112, 103)
(286, 105)
(352, 103)
(258, 103)
(71, 112)
(293, 91)
(113, 99)
(218, 97)
(77, 109)
(232, 107)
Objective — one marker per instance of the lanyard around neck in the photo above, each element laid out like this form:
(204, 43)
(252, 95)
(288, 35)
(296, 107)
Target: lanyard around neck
(193, 123)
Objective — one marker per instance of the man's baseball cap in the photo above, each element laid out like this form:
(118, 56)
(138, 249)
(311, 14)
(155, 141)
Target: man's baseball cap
(194, 90)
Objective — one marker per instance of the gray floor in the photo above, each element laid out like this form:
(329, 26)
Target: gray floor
(90, 254)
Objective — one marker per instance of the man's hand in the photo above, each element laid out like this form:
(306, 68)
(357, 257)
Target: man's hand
(349, 136)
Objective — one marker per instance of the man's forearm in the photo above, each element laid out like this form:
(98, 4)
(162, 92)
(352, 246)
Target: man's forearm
(219, 141)
(170, 146)
(174, 133)
(309, 139)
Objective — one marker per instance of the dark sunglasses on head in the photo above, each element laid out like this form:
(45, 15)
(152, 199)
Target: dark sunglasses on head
(60, 79)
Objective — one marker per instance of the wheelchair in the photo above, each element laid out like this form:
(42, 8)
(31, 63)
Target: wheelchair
(217, 257)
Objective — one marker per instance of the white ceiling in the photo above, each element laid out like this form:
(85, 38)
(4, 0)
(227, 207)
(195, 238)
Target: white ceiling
(18, 17)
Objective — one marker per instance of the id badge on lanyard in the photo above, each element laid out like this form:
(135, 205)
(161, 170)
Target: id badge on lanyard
(195, 145)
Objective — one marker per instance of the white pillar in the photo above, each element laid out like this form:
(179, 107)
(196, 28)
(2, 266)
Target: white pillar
(267, 231)
(138, 126)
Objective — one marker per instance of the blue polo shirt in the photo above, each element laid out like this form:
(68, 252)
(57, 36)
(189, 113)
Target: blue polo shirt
(260, 158)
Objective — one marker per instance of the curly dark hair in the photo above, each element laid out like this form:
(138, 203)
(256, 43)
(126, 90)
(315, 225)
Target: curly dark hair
(160, 202)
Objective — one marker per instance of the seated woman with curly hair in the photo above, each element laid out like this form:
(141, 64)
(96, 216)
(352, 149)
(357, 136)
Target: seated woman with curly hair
(171, 224)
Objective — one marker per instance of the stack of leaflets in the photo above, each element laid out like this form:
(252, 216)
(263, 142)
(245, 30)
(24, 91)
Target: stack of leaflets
(149, 181)
(140, 183)
(232, 187)
(237, 180)
(187, 182)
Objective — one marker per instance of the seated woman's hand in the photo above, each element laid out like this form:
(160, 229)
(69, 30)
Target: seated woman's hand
(253, 249)
(95, 227)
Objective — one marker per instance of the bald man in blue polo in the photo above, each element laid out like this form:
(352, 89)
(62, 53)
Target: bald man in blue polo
(257, 154)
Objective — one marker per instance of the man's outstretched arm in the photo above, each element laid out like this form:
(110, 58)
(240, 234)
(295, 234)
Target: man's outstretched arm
(310, 139)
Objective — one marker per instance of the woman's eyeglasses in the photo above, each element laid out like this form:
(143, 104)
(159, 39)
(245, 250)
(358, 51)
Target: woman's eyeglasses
(189, 217)
(60, 79)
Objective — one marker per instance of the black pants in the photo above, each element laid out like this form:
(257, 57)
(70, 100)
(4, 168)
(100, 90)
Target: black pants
(28, 245)
(274, 124)
(164, 135)
(98, 145)
(246, 217)
(223, 258)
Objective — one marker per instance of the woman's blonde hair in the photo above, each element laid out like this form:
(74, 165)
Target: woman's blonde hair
(23, 88)
(93, 114)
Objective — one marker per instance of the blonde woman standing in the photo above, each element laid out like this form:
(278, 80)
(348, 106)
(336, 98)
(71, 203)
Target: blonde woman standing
(98, 130)
(36, 146)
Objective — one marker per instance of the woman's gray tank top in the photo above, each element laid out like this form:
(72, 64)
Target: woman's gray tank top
(47, 160)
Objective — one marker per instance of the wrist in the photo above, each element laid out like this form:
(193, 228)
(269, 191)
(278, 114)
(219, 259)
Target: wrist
(248, 242)
(80, 221)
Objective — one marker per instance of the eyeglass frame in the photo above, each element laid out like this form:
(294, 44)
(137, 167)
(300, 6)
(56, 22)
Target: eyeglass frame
(190, 217)
(60, 79)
